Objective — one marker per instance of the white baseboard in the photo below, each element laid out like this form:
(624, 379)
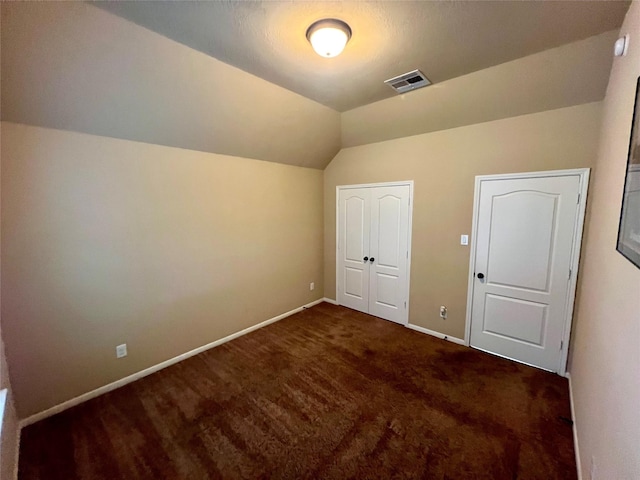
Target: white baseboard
(17, 454)
(148, 371)
(575, 428)
(433, 333)
(330, 300)
(457, 340)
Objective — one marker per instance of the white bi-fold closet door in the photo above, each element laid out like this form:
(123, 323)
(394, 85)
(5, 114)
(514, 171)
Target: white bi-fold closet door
(373, 226)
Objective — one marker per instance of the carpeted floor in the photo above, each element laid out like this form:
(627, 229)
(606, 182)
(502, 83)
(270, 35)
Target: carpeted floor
(327, 393)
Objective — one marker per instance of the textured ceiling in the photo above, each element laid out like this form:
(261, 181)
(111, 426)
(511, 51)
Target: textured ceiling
(443, 39)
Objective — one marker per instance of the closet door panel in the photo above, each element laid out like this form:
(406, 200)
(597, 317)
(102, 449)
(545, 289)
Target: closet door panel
(389, 239)
(353, 247)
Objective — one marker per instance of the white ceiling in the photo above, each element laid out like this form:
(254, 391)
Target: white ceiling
(443, 39)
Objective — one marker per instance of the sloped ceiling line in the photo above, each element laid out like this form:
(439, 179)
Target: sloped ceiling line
(72, 66)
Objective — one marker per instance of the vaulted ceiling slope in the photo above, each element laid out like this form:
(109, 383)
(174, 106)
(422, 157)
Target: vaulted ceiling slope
(565, 76)
(72, 66)
(444, 39)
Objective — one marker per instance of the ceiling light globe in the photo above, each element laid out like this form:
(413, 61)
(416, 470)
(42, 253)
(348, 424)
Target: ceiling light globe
(328, 37)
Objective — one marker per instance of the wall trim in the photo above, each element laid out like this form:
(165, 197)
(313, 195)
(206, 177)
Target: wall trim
(433, 333)
(17, 453)
(148, 371)
(574, 427)
(331, 301)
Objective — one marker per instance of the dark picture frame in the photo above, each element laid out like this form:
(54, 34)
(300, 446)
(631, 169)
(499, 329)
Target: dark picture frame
(629, 227)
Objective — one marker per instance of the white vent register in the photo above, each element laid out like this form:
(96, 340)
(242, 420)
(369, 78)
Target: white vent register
(408, 81)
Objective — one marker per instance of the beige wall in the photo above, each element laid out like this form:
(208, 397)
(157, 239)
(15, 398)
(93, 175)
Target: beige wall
(107, 241)
(605, 358)
(572, 74)
(73, 66)
(443, 165)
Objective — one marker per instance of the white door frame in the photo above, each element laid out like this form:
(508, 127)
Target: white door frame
(373, 185)
(583, 173)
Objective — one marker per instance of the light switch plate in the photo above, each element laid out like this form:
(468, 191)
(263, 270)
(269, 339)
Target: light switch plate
(464, 239)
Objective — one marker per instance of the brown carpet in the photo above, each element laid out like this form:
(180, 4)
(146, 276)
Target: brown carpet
(327, 393)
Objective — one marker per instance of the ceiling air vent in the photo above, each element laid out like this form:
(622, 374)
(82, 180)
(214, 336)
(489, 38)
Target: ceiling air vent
(408, 81)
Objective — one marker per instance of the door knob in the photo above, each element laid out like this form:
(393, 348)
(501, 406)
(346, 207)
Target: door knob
(366, 258)
(371, 259)
(481, 276)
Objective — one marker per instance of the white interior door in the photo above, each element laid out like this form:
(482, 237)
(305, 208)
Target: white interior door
(524, 247)
(354, 206)
(374, 225)
(389, 252)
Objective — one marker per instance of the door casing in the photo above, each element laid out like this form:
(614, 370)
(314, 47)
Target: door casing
(372, 185)
(583, 174)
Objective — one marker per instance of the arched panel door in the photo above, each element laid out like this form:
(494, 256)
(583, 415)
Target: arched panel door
(389, 247)
(353, 246)
(523, 257)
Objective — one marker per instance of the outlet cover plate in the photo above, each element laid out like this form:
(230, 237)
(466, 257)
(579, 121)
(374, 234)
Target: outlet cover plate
(121, 350)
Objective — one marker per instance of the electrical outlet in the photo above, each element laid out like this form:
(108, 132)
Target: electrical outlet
(594, 470)
(443, 311)
(312, 286)
(464, 239)
(121, 350)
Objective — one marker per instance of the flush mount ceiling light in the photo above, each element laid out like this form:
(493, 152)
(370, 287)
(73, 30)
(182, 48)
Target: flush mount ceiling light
(328, 36)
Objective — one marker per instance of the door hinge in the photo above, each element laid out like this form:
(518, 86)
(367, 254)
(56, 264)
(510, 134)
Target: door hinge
(570, 272)
(407, 253)
(405, 305)
(561, 344)
(578, 202)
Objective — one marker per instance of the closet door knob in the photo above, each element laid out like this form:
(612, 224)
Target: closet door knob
(371, 259)
(481, 276)
(366, 258)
